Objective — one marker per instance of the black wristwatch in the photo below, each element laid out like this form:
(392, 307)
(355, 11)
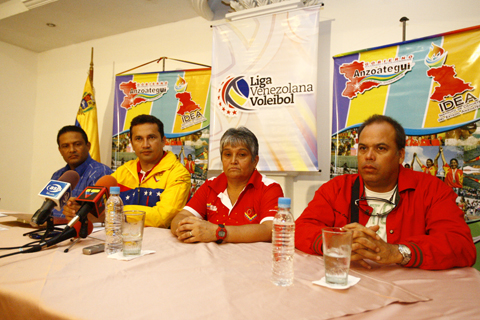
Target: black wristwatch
(221, 233)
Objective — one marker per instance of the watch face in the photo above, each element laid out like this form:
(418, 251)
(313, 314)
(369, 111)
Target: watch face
(221, 233)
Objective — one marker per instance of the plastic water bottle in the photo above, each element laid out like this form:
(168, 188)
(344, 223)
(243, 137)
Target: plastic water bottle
(283, 241)
(113, 222)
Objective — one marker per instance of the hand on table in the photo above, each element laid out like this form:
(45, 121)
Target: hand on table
(193, 229)
(367, 244)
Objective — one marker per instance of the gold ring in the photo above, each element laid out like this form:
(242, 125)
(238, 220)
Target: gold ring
(191, 234)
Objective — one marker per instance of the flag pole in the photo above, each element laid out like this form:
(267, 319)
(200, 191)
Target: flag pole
(90, 74)
(87, 114)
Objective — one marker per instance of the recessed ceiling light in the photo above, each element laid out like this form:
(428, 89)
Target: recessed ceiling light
(30, 4)
(51, 25)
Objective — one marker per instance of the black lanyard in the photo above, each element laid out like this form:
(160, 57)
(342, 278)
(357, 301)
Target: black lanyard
(355, 195)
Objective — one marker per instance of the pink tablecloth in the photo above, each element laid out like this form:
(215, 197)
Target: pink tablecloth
(210, 281)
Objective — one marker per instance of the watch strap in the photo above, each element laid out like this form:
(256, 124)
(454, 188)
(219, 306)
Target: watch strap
(406, 253)
(221, 233)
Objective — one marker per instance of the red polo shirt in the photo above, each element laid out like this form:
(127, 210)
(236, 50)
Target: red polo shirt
(257, 202)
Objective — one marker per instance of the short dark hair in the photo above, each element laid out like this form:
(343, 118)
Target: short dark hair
(399, 131)
(454, 159)
(237, 136)
(71, 129)
(146, 118)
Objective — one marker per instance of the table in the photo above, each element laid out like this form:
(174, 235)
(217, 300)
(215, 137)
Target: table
(210, 281)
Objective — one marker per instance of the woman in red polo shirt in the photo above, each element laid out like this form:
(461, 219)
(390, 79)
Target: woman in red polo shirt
(238, 205)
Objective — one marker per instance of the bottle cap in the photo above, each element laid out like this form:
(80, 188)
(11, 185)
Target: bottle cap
(114, 190)
(284, 202)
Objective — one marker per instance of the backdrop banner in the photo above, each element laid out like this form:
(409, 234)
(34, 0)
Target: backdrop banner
(429, 85)
(264, 77)
(181, 100)
(432, 87)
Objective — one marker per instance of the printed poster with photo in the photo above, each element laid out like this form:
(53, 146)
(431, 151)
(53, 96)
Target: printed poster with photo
(181, 100)
(432, 87)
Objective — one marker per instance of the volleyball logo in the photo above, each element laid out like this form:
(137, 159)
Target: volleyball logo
(233, 96)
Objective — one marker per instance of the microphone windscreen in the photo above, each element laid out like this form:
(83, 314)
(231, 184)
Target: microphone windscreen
(77, 226)
(107, 182)
(71, 177)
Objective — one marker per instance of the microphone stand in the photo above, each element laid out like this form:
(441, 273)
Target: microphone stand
(48, 229)
(83, 233)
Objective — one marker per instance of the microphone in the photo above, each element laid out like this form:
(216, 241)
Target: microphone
(93, 199)
(65, 235)
(56, 194)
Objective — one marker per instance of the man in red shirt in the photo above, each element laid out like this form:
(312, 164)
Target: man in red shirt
(396, 215)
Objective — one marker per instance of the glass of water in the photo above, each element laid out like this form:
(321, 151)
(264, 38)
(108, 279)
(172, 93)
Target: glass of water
(337, 249)
(132, 232)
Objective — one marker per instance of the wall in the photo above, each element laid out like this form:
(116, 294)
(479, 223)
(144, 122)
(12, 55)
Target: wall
(62, 73)
(18, 78)
(370, 23)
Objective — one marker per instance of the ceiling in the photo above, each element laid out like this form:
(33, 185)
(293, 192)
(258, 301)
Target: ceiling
(83, 20)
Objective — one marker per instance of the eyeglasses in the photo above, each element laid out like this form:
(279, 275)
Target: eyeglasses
(369, 211)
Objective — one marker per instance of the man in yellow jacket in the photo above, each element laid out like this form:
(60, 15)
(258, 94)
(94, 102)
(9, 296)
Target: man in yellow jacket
(155, 182)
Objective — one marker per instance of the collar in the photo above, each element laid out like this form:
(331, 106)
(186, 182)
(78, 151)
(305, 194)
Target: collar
(142, 174)
(81, 168)
(407, 179)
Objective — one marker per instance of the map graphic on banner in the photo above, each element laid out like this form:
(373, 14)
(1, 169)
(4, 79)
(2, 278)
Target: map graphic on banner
(264, 77)
(181, 100)
(432, 87)
(429, 85)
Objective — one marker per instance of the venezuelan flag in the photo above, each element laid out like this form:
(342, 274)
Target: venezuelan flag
(87, 119)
